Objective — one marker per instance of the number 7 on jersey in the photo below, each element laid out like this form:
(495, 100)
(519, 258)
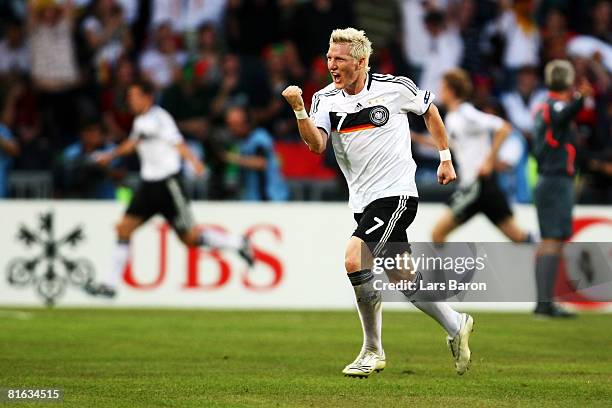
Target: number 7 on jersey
(342, 116)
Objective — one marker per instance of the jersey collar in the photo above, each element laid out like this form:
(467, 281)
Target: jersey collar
(366, 88)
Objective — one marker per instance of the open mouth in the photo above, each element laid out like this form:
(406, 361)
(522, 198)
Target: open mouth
(335, 77)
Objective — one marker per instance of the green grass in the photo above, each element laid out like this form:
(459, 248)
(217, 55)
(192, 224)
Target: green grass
(193, 358)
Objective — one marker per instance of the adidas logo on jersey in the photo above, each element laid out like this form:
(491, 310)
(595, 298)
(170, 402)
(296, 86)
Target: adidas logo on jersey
(359, 106)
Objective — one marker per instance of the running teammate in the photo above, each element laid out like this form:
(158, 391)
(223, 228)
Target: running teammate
(470, 133)
(365, 116)
(161, 150)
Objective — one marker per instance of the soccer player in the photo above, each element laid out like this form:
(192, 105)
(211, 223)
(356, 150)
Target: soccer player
(470, 133)
(555, 151)
(365, 116)
(161, 149)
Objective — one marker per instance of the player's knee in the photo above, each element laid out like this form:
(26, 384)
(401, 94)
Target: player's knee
(190, 238)
(124, 231)
(352, 263)
(438, 235)
(352, 256)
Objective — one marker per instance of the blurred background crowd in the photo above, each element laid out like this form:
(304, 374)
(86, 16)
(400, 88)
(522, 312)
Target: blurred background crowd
(219, 67)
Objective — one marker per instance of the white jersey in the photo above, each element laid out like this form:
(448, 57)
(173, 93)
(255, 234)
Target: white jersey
(469, 133)
(158, 138)
(371, 136)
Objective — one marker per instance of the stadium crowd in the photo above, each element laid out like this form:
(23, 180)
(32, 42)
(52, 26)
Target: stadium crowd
(219, 67)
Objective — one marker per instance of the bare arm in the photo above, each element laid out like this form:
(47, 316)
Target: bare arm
(125, 148)
(9, 147)
(315, 138)
(189, 157)
(433, 121)
(498, 139)
(249, 162)
(436, 128)
(423, 139)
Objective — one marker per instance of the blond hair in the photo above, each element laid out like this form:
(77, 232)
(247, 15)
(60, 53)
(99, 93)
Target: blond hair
(559, 75)
(361, 47)
(459, 82)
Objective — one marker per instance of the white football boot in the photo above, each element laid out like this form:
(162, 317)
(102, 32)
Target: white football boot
(459, 346)
(365, 364)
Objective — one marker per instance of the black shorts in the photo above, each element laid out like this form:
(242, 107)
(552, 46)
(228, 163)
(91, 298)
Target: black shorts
(554, 200)
(385, 221)
(166, 197)
(485, 196)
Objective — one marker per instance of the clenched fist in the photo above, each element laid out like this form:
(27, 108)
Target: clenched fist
(446, 172)
(293, 95)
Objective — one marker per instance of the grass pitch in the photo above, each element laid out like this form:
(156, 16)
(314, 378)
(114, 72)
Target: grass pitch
(193, 358)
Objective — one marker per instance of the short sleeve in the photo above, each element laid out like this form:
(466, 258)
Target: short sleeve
(413, 99)
(490, 122)
(170, 131)
(135, 132)
(319, 112)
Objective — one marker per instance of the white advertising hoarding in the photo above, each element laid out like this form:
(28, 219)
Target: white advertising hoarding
(299, 248)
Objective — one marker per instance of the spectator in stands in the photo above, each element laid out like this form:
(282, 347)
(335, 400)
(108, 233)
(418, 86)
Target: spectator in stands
(206, 61)
(595, 138)
(232, 91)
(113, 103)
(277, 115)
(312, 23)
(262, 179)
(81, 176)
(20, 114)
(520, 35)
(317, 79)
(555, 36)
(444, 49)
(107, 36)
(188, 99)
(521, 101)
(240, 52)
(8, 150)
(54, 69)
(414, 33)
(186, 16)
(14, 52)
(511, 163)
(464, 15)
(252, 25)
(601, 27)
(381, 20)
(161, 63)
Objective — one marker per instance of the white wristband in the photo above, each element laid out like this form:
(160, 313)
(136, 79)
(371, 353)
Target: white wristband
(445, 155)
(301, 114)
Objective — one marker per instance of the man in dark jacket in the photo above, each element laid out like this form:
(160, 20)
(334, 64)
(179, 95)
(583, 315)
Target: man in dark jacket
(555, 151)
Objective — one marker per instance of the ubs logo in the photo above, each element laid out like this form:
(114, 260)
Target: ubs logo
(47, 269)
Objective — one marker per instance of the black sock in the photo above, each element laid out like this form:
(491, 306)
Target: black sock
(546, 275)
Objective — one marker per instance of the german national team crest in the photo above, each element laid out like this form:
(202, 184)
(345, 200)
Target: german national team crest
(379, 115)
(47, 269)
